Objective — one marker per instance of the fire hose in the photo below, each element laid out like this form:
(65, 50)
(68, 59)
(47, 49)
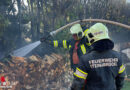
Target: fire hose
(88, 20)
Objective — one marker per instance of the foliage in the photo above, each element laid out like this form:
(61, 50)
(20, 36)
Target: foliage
(3, 21)
(5, 2)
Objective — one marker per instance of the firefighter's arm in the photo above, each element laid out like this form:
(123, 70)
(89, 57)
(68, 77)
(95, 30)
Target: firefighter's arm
(120, 77)
(79, 77)
(64, 43)
(56, 43)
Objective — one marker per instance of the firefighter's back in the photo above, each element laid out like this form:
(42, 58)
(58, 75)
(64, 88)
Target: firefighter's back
(102, 70)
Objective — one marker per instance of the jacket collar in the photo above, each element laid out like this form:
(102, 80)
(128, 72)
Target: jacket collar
(103, 45)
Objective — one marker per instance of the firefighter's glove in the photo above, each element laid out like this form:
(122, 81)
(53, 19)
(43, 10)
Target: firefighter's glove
(43, 39)
(46, 40)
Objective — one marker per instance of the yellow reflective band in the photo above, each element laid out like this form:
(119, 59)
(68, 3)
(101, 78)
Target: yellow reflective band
(55, 43)
(88, 44)
(81, 71)
(69, 46)
(79, 76)
(83, 49)
(64, 44)
(85, 32)
(122, 68)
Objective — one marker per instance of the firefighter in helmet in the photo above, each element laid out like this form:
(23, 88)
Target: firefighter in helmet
(102, 67)
(77, 46)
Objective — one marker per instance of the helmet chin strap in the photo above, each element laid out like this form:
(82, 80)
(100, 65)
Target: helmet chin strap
(79, 35)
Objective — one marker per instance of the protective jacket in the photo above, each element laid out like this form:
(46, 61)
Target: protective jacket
(83, 48)
(102, 68)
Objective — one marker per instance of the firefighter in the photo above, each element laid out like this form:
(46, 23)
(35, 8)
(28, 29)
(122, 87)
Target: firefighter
(102, 67)
(77, 46)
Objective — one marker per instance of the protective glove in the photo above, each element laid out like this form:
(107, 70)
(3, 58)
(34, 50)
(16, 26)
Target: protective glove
(46, 39)
(43, 39)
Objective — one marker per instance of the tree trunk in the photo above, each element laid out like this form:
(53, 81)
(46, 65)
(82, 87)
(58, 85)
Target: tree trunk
(38, 19)
(19, 20)
(32, 21)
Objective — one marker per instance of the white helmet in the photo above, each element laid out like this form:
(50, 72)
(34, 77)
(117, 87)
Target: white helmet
(97, 32)
(77, 29)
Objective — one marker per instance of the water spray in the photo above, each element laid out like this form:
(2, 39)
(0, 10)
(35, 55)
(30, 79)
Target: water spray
(25, 50)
